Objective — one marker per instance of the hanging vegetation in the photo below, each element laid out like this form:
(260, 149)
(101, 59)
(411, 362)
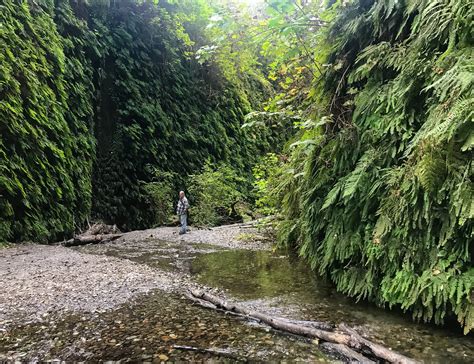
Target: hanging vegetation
(46, 147)
(107, 107)
(380, 194)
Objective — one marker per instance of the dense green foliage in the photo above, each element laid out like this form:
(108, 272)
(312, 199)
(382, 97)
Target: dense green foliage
(95, 97)
(46, 147)
(167, 111)
(215, 193)
(106, 109)
(379, 193)
(160, 196)
(266, 175)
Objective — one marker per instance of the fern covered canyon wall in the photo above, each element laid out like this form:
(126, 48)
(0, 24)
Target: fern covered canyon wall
(381, 199)
(46, 144)
(94, 99)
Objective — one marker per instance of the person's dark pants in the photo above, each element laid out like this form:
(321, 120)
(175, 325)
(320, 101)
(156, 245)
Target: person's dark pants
(184, 223)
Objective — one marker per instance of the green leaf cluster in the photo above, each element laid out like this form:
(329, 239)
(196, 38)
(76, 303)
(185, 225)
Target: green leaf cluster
(266, 174)
(160, 195)
(382, 200)
(215, 193)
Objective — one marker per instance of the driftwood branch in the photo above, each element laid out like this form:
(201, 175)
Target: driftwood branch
(346, 353)
(97, 233)
(314, 324)
(377, 349)
(207, 304)
(91, 239)
(348, 341)
(200, 301)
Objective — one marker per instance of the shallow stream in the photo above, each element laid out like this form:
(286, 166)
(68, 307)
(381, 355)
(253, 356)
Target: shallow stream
(276, 283)
(160, 326)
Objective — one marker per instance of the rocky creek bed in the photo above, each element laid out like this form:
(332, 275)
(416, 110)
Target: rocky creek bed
(124, 301)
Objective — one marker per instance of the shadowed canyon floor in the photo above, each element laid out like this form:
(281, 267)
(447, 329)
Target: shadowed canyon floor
(123, 301)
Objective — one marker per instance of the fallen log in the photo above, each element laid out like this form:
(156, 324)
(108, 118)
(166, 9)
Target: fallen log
(349, 338)
(315, 324)
(377, 349)
(274, 322)
(203, 303)
(101, 229)
(91, 239)
(207, 304)
(344, 352)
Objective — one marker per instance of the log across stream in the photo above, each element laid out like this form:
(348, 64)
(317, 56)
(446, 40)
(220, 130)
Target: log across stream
(345, 341)
(283, 286)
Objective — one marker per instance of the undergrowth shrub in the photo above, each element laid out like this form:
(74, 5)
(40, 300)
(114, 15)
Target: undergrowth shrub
(214, 194)
(160, 196)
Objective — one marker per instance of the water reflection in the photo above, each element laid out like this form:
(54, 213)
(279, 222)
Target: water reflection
(285, 286)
